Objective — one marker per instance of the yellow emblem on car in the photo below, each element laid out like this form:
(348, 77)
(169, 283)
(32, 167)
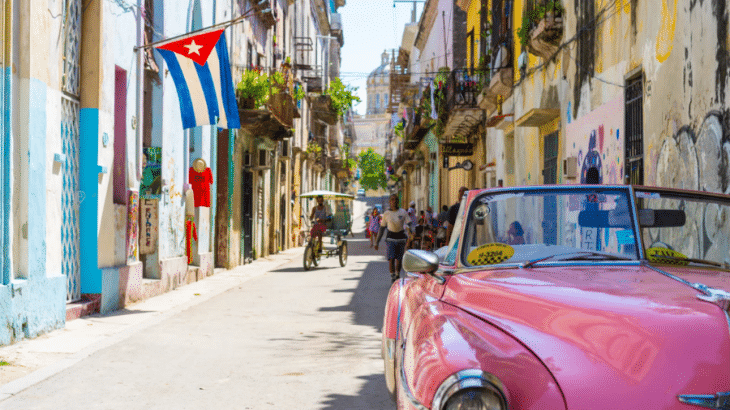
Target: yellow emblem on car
(490, 253)
(668, 256)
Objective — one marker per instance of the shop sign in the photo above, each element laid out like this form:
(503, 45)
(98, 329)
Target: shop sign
(457, 149)
(149, 226)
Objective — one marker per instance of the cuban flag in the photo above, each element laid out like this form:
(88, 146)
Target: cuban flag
(202, 74)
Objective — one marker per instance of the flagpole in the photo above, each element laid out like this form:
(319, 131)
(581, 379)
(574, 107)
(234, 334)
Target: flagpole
(225, 24)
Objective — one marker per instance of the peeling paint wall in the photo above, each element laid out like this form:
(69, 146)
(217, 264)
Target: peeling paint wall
(679, 49)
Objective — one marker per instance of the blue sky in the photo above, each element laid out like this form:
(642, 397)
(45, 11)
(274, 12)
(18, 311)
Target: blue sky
(370, 27)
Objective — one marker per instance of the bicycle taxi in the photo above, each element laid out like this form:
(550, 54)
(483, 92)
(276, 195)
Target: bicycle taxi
(339, 225)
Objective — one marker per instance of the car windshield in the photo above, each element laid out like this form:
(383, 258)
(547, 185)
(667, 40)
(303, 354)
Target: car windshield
(529, 226)
(682, 228)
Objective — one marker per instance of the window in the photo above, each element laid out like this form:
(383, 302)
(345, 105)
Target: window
(377, 101)
(249, 54)
(550, 166)
(509, 153)
(634, 131)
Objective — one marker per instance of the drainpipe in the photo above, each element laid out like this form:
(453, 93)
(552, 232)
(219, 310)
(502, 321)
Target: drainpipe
(231, 174)
(140, 89)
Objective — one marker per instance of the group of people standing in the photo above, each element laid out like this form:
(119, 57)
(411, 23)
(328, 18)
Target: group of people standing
(409, 229)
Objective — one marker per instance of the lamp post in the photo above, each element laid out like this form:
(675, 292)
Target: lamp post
(466, 165)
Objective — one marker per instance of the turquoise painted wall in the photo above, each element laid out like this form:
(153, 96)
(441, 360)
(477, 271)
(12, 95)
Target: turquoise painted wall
(89, 208)
(36, 305)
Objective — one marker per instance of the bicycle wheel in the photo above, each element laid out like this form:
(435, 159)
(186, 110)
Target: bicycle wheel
(308, 257)
(343, 254)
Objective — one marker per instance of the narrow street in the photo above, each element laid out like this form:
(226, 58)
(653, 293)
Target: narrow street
(283, 339)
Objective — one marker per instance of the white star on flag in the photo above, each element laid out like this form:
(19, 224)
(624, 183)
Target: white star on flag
(202, 74)
(193, 48)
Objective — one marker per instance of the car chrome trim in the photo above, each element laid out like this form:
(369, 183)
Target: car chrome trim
(719, 401)
(400, 306)
(467, 379)
(389, 359)
(407, 390)
(637, 227)
(633, 262)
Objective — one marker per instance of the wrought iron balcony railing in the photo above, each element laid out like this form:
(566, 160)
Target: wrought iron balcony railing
(464, 87)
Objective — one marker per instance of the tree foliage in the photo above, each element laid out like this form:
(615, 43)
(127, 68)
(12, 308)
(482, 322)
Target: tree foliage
(372, 169)
(342, 96)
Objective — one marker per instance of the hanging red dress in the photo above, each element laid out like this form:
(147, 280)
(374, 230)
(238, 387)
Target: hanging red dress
(200, 182)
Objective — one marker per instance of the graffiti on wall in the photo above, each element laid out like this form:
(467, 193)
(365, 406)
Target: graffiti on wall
(694, 159)
(596, 141)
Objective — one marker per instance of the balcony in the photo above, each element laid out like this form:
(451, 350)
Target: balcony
(415, 131)
(336, 27)
(502, 79)
(339, 168)
(267, 19)
(322, 110)
(462, 101)
(282, 106)
(274, 122)
(546, 35)
(314, 83)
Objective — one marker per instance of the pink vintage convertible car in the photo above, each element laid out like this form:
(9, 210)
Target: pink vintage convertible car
(567, 297)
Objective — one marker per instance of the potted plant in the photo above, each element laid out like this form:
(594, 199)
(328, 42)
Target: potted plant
(253, 89)
(342, 96)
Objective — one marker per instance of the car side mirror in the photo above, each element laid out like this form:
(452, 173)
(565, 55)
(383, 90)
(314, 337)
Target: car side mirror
(418, 261)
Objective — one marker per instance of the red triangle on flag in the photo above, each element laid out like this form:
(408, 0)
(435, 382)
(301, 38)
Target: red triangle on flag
(196, 47)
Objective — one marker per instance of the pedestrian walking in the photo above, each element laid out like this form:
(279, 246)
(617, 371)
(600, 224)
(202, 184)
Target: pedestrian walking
(374, 226)
(394, 222)
(413, 216)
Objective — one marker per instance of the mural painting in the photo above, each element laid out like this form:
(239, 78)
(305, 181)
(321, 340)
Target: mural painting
(596, 141)
(133, 227)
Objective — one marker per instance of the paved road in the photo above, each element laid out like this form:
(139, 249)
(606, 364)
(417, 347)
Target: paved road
(283, 339)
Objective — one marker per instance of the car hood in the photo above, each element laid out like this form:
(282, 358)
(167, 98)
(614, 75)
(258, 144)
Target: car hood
(613, 336)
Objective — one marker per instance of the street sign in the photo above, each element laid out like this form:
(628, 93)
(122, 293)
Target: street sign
(457, 149)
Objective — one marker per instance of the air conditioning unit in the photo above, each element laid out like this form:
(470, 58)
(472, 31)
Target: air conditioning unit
(284, 149)
(570, 167)
(263, 159)
(247, 159)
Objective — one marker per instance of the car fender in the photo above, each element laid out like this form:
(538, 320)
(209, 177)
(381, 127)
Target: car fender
(442, 340)
(391, 329)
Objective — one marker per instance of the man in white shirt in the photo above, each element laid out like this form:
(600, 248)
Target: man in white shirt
(394, 220)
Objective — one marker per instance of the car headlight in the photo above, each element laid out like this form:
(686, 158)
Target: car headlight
(474, 399)
(470, 389)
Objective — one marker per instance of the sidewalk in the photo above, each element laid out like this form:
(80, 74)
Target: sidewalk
(28, 362)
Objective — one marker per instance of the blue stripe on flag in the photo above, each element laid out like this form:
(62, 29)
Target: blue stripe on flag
(228, 93)
(206, 82)
(186, 103)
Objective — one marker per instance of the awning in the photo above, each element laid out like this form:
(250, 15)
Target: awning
(326, 195)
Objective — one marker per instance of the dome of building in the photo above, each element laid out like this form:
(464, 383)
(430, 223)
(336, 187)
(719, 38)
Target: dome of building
(382, 72)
